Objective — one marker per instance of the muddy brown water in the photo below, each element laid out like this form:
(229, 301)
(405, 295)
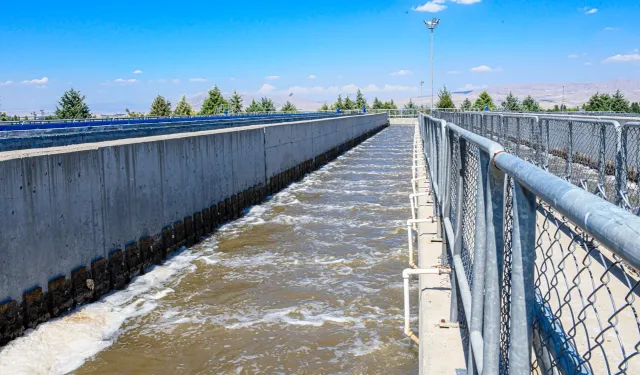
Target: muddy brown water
(307, 283)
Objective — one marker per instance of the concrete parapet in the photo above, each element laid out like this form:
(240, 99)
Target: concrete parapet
(79, 221)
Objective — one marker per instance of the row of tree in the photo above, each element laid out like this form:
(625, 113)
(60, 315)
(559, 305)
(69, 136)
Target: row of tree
(213, 104)
(597, 103)
(72, 105)
(359, 103)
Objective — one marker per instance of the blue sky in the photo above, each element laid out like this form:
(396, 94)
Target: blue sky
(312, 49)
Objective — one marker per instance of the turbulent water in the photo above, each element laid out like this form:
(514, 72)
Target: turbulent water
(307, 283)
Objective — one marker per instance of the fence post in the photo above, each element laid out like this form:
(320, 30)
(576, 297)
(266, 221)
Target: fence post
(621, 167)
(522, 279)
(457, 243)
(494, 211)
(570, 153)
(602, 162)
(479, 256)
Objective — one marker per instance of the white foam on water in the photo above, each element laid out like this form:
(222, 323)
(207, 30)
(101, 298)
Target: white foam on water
(64, 344)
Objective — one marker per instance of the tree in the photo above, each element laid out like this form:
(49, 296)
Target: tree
(361, 102)
(131, 113)
(349, 104)
(530, 105)
(72, 105)
(466, 104)
(390, 105)
(288, 107)
(267, 105)
(183, 108)
(235, 102)
(511, 103)
(254, 107)
(410, 105)
(338, 103)
(598, 103)
(214, 103)
(160, 107)
(444, 99)
(324, 107)
(4, 116)
(556, 108)
(484, 100)
(619, 103)
(377, 104)
(635, 107)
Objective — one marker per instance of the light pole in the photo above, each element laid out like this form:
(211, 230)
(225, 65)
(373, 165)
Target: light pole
(431, 25)
(421, 97)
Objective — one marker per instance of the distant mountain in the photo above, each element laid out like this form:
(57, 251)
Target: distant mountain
(548, 94)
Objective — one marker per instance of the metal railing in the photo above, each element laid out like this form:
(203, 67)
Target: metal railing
(599, 155)
(542, 255)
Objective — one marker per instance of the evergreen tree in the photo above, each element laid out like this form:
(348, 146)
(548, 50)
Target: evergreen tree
(288, 107)
(72, 105)
(511, 103)
(183, 108)
(635, 107)
(530, 105)
(4, 116)
(377, 104)
(483, 101)
(619, 103)
(466, 104)
(410, 105)
(349, 104)
(214, 103)
(390, 105)
(267, 105)
(324, 107)
(254, 107)
(235, 102)
(598, 103)
(556, 108)
(131, 113)
(338, 103)
(361, 102)
(160, 107)
(444, 99)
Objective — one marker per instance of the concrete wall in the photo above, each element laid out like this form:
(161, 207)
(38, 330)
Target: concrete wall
(106, 210)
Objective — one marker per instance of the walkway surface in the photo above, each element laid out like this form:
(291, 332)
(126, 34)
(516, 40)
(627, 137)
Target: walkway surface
(441, 349)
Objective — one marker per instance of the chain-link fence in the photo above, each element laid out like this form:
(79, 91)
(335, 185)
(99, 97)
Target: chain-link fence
(536, 218)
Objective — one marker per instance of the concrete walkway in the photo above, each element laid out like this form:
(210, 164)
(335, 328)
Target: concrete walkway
(441, 349)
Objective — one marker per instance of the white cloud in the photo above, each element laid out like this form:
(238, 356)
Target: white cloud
(125, 81)
(137, 71)
(301, 90)
(175, 81)
(485, 69)
(232, 78)
(623, 58)
(271, 78)
(573, 56)
(6, 83)
(340, 77)
(609, 28)
(312, 76)
(402, 73)
(266, 89)
(466, 2)
(40, 81)
(433, 6)
(590, 10)
(588, 63)
(198, 80)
